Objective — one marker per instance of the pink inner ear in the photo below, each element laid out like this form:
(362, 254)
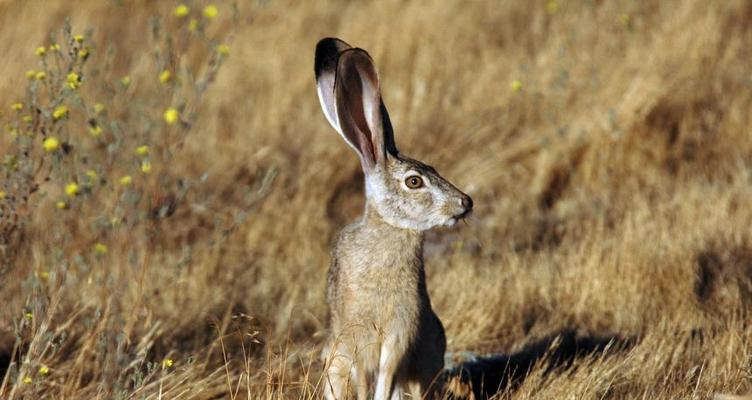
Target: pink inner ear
(372, 114)
(351, 108)
(361, 131)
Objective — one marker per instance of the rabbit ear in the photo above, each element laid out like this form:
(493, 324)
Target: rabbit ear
(325, 67)
(360, 111)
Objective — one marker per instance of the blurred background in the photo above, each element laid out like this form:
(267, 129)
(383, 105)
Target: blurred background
(166, 233)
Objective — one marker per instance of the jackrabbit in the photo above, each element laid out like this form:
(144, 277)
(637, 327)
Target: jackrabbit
(383, 330)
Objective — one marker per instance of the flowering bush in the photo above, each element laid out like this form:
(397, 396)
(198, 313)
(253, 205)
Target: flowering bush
(89, 151)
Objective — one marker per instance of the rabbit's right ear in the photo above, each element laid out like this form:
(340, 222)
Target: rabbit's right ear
(325, 67)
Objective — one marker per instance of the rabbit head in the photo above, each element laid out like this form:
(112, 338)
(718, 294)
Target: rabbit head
(405, 192)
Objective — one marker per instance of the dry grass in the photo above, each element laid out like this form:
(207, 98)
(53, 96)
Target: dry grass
(612, 189)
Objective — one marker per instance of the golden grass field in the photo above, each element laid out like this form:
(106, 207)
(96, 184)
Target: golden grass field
(607, 146)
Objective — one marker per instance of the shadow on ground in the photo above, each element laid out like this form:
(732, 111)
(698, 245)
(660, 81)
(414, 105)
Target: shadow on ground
(481, 377)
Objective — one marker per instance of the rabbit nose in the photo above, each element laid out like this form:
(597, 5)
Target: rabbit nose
(467, 202)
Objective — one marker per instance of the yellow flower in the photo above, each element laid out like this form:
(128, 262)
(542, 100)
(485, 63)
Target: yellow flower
(51, 144)
(95, 131)
(181, 11)
(126, 180)
(40, 51)
(71, 189)
(91, 174)
(61, 205)
(145, 166)
(3, 195)
(100, 248)
(516, 85)
(165, 76)
(142, 150)
(43, 370)
(54, 47)
(83, 53)
(17, 106)
(167, 363)
(552, 7)
(98, 108)
(30, 74)
(40, 75)
(60, 112)
(223, 50)
(126, 80)
(28, 315)
(625, 20)
(193, 24)
(73, 80)
(27, 118)
(171, 116)
(27, 380)
(211, 11)
(44, 275)
(78, 38)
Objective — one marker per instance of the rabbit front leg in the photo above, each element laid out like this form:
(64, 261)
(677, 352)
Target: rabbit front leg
(336, 376)
(389, 361)
(340, 366)
(359, 377)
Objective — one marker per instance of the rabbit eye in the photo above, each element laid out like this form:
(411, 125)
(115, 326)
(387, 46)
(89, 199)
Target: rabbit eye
(414, 182)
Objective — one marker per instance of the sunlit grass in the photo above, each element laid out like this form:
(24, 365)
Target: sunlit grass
(169, 190)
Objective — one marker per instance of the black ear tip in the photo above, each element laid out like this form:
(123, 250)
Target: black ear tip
(327, 54)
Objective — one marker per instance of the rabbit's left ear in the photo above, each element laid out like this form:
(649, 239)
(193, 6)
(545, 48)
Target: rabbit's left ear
(328, 51)
(360, 111)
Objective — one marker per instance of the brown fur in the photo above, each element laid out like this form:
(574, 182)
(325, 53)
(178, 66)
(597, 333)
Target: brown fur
(377, 291)
(385, 338)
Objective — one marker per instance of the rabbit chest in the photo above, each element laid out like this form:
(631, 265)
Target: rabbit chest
(381, 278)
